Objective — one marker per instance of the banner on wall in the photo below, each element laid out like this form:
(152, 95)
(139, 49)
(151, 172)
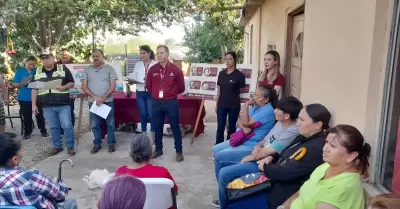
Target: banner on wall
(77, 69)
(203, 80)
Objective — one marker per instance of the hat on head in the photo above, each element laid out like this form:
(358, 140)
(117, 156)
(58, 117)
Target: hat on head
(46, 53)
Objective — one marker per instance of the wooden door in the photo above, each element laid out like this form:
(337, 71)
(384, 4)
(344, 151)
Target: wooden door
(296, 55)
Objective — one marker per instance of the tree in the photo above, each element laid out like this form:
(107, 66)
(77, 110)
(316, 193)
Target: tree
(54, 23)
(210, 38)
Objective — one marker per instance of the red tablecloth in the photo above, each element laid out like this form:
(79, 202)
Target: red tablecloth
(126, 110)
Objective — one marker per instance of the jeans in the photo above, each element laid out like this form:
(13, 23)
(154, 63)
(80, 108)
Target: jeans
(57, 117)
(69, 203)
(257, 201)
(95, 121)
(225, 155)
(144, 102)
(72, 114)
(230, 173)
(26, 112)
(222, 113)
(170, 108)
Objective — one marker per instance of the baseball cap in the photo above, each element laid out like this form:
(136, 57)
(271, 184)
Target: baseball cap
(46, 53)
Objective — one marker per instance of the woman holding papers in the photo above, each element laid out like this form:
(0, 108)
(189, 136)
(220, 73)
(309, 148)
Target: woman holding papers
(143, 97)
(21, 79)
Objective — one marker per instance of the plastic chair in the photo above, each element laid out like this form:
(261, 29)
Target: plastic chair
(18, 207)
(159, 193)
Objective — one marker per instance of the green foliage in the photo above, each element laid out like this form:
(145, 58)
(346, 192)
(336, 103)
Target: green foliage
(215, 35)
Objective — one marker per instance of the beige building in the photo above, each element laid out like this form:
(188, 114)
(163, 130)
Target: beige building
(342, 54)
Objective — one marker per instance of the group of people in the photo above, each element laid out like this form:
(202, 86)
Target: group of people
(308, 164)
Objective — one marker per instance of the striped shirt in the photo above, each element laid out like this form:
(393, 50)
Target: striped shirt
(30, 187)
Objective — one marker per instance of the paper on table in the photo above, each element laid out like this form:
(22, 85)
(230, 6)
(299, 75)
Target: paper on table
(100, 110)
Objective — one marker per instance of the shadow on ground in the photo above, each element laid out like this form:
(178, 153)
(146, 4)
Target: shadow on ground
(194, 176)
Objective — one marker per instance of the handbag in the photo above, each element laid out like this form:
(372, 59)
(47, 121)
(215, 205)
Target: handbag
(239, 137)
(247, 185)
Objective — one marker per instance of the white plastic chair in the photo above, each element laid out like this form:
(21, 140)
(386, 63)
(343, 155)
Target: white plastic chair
(160, 193)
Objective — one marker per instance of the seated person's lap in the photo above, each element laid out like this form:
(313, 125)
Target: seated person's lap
(256, 201)
(233, 154)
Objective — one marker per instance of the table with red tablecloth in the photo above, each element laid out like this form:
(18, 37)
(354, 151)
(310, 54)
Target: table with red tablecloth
(126, 110)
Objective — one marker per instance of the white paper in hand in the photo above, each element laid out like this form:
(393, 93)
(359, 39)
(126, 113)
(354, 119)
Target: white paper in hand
(100, 110)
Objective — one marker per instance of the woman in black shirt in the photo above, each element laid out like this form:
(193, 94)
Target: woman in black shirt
(230, 81)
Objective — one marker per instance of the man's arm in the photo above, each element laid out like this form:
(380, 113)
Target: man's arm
(149, 80)
(34, 97)
(180, 81)
(70, 81)
(113, 84)
(44, 186)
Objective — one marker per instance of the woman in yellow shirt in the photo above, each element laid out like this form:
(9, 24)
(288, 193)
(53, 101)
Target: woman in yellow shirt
(336, 183)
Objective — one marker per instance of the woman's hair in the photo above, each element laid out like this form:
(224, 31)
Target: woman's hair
(352, 139)
(385, 201)
(9, 147)
(147, 49)
(319, 113)
(234, 56)
(123, 192)
(290, 105)
(30, 58)
(270, 94)
(140, 148)
(277, 58)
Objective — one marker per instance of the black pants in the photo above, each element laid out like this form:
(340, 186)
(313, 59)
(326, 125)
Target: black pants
(26, 111)
(222, 114)
(72, 114)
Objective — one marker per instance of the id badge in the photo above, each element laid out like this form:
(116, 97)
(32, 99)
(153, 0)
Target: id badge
(161, 94)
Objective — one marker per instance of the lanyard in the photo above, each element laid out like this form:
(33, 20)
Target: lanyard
(146, 68)
(162, 75)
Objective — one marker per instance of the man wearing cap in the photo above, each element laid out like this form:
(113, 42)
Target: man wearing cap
(99, 81)
(55, 102)
(165, 81)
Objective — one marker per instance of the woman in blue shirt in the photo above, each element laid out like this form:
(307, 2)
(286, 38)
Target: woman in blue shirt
(20, 81)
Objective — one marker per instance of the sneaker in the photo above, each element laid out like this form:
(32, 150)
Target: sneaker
(215, 203)
(71, 152)
(26, 136)
(55, 151)
(179, 157)
(157, 154)
(44, 134)
(95, 149)
(111, 148)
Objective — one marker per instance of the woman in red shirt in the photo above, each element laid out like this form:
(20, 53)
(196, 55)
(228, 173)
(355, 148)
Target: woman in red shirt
(271, 76)
(141, 150)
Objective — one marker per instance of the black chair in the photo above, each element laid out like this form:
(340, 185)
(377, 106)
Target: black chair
(14, 116)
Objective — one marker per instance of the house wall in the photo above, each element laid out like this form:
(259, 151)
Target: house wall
(344, 55)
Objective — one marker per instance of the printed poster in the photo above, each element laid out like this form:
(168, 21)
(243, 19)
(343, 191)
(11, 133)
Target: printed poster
(203, 80)
(76, 70)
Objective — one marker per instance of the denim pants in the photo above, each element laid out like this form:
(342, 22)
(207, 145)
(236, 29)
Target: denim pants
(229, 173)
(69, 203)
(222, 113)
(144, 102)
(225, 155)
(60, 117)
(170, 108)
(72, 114)
(95, 121)
(256, 201)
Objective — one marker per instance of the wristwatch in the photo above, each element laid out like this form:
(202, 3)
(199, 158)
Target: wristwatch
(281, 207)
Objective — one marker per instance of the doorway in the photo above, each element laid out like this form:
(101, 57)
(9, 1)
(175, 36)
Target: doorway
(294, 49)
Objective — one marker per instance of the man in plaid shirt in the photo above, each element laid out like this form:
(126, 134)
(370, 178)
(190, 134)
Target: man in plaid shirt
(27, 187)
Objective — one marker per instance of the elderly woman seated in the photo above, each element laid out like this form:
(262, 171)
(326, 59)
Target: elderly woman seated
(123, 192)
(141, 149)
(262, 112)
(336, 184)
(286, 173)
(27, 187)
